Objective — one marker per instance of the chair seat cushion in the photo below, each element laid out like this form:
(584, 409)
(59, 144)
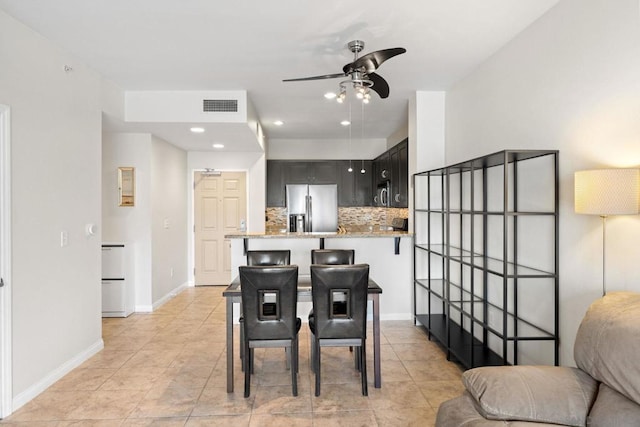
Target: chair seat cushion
(549, 394)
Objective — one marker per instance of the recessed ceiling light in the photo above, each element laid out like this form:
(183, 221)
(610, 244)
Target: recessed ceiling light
(197, 130)
(278, 123)
(345, 123)
(218, 145)
(330, 95)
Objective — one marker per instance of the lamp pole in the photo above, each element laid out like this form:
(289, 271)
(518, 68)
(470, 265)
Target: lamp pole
(604, 246)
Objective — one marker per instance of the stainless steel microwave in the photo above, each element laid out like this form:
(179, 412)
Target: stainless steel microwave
(381, 198)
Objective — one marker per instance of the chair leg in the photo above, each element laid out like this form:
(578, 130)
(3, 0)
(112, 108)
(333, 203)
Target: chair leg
(363, 368)
(312, 349)
(247, 370)
(294, 366)
(356, 359)
(317, 366)
(242, 342)
(287, 352)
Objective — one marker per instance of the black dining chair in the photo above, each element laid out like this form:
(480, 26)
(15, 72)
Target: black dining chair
(269, 257)
(331, 257)
(269, 302)
(332, 326)
(263, 257)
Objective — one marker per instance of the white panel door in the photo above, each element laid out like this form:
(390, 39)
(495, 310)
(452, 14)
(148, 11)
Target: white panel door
(220, 208)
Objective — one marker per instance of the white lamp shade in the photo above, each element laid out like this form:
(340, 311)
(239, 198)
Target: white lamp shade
(607, 192)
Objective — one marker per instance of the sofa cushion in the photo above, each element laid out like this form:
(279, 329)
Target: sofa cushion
(461, 411)
(611, 409)
(550, 394)
(607, 345)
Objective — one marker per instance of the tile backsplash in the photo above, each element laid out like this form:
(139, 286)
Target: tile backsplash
(353, 219)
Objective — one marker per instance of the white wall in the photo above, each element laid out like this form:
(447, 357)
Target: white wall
(129, 224)
(168, 219)
(160, 194)
(569, 82)
(55, 149)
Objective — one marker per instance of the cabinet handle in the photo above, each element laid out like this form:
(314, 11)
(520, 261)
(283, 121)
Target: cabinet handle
(397, 197)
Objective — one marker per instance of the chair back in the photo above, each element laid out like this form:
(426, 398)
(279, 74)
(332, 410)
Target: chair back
(332, 256)
(269, 300)
(268, 257)
(339, 294)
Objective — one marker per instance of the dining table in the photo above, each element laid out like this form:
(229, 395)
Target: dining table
(233, 295)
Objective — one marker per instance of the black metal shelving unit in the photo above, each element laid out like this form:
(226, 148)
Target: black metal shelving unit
(486, 258)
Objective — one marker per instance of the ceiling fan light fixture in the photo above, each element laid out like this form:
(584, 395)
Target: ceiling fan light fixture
(330, 95)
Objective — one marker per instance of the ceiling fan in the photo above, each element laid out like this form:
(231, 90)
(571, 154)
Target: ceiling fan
(361, 71)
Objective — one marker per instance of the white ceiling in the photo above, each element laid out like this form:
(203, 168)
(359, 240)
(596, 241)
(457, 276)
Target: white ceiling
(253, 45)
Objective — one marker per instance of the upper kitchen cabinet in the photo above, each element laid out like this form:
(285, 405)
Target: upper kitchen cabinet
(354, 188)
(283, 172)
(303, 172)
(276, 196)
(382, 168)
(392, 167)
(399, 162)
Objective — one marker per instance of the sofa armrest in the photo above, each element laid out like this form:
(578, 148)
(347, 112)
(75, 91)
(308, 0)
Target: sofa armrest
(549, 394)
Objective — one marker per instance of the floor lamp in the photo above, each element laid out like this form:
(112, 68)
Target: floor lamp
(607, 192)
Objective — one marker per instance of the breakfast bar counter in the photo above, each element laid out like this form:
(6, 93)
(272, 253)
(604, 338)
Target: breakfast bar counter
(387, 252)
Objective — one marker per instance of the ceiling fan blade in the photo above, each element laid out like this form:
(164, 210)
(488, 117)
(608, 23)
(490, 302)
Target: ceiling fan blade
(380, 85)
(371, 61)
(326, 76)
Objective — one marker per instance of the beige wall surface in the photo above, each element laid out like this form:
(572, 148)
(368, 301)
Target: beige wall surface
(569, 82)
(55, 150)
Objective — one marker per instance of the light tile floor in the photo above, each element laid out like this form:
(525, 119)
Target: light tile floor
(168, 368)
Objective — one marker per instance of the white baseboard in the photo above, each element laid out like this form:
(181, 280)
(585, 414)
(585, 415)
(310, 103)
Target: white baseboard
(168, 297)
(162, 301)
(56, 374)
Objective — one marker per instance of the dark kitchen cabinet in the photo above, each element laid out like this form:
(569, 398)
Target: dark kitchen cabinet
(392, 166)
(381, 166)
(275, 183)
(283, 172)
(354, 188)
(399, 162)
(303, 172)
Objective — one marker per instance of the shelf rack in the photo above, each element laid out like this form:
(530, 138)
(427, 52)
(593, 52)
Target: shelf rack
(486, 257)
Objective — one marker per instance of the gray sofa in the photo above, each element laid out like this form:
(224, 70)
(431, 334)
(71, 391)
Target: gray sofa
(603, 391)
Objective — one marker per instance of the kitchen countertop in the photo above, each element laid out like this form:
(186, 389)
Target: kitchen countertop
(314, 235)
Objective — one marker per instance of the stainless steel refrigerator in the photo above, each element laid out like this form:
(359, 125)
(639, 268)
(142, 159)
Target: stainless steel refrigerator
(312, 207)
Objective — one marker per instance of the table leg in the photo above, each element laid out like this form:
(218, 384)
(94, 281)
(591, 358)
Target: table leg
(376, 341)
(230, 345)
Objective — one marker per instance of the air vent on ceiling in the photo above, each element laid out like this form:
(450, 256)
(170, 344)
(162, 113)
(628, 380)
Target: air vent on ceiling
(220, 105)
